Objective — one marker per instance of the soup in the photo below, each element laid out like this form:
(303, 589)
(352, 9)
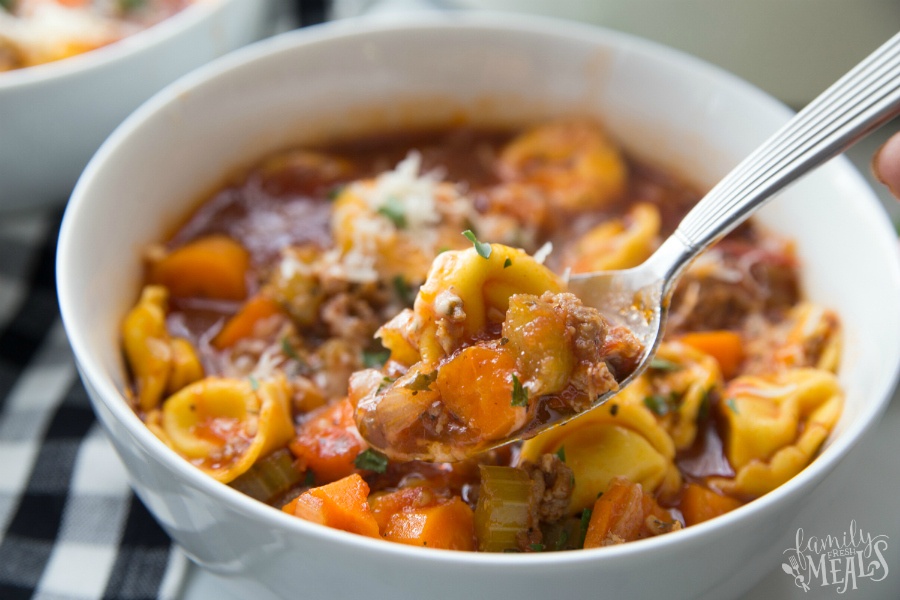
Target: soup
(34, 32)
(332, 307)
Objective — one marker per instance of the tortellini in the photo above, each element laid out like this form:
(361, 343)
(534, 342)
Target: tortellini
(618, 243)
(464, 291)
(676, 389)
(223, 425)
(159, 363)
(614, 440)
(394, 225)
(810, 336)
(573, 163)
(775, 426)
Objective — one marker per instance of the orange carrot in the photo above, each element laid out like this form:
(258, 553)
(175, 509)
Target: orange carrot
(617, 516)
(340, 504)
(725, 346)
(328, 443)
(449, 525)
(386, 505)
(699, 503)
(243, 323)
(477, 386)
(211, 267)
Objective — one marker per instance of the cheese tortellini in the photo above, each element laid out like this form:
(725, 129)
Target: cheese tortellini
(224, 425)
(775, 426)
(676, 390)
(614, 440)
(394, 225)
(574, 164)
(618, 243)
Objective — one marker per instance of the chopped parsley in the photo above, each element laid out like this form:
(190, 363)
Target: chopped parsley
(129, 5)
(661, 364)
(254, 384)
(519, 393)
(371, 460)
(482, 248)
(562, 540)
(404, 291)
(507, 262)
(561, 453)
(614, 410)
(288, 350)
(585, 521)
(310, 479)
(732, 404)
(334, 192)
(422, 382)
(393, 210)
(536, 547)
(703, 410)
(657, 404)
(385, 382)
(375, 359)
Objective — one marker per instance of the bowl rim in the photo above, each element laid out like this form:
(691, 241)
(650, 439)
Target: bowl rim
(295, 41)
(123, 49)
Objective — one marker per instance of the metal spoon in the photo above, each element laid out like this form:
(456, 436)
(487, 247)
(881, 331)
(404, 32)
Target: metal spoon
(857, 104)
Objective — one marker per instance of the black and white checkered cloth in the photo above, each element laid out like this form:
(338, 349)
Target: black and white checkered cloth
(70, 527)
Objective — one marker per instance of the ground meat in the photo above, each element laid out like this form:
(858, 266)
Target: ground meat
(349, 317)
(604, 353)
(732, 281)
(552, 484)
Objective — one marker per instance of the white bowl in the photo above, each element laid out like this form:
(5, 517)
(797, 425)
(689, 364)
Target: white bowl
(357, 76)
(53, 117)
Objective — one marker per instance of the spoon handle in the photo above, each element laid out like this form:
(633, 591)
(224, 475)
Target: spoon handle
(854, 106)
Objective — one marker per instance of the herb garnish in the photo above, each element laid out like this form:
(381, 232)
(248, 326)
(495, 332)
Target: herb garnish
(404, 291)
(662, 364)
(393, 210)
(732, 404)
(519, 393)
(288, 350)
(657, 404)
(482, 248)
(507, 262)
(371, 460)
(561, 453)
(375, 359)
(422, 382)
(585, 521)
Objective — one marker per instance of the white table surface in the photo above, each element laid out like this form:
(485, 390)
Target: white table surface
(867, 485)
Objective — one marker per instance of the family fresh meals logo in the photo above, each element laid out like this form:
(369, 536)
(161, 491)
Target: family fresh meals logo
(838, 561)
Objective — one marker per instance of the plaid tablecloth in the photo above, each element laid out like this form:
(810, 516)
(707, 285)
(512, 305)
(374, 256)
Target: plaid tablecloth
(70, 527)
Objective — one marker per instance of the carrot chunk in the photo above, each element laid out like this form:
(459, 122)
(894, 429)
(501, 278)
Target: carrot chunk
(617, 515)
(624, 513)
(244, 321)
(725, 346)
(477, 386)
(210, 267)
(699, 503)
(449, 525)
(340, 504)
(329, 442)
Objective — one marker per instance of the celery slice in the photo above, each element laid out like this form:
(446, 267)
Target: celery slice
(269, 477)
(503, 507)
